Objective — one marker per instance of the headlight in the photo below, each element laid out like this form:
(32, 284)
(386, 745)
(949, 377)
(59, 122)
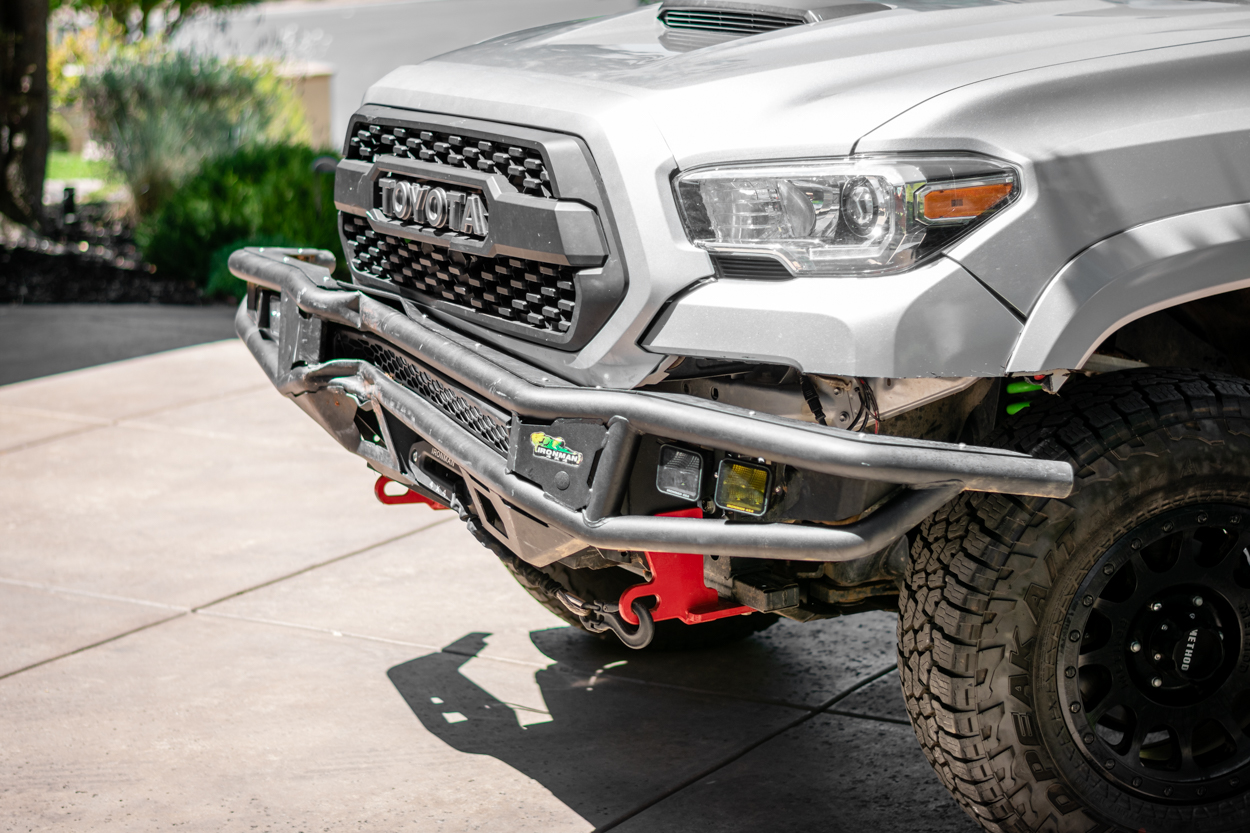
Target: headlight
(854, 216)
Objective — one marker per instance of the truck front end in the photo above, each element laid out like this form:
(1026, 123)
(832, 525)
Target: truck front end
(596, 354)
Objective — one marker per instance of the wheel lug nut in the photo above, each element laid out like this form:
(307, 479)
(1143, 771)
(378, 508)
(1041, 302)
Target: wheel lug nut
(1157, 682)
(1197, 601)
(1158, 657)
(1135, 646)
(1156, 606)
(1164, 626)
(1088, 737)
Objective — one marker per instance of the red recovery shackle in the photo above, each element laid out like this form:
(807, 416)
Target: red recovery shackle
(408, 496)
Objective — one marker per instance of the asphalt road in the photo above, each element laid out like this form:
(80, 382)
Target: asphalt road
(39, 340)
(364, 41)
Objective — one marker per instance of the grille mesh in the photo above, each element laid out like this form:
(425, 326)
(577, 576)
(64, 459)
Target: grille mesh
(750, 268)
(541, 296)
(524, 167)
(729, 22)
(409, 374)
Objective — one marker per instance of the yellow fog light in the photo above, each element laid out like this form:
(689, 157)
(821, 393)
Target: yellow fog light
(742, 487)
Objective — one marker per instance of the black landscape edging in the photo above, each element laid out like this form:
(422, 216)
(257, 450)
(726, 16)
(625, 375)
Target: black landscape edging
(86, 255)
(33, 277)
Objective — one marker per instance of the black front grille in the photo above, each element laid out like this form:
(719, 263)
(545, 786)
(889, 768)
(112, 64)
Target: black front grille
(523, 166)
(729, 22)
(541, 296)
(486, 427)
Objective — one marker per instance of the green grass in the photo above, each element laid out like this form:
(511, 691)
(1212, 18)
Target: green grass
(62, 165)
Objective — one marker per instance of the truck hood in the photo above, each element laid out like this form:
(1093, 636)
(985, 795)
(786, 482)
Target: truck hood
(811, 89)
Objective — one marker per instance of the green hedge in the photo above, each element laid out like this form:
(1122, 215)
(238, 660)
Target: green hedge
(265, 195)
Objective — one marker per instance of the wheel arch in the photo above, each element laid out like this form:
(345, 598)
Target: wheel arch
(1130, 275)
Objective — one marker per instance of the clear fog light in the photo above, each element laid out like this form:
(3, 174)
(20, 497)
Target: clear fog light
(742, 487)
(680, 473)
(273, 304)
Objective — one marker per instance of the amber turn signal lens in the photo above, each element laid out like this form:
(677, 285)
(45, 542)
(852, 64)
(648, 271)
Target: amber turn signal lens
(964, 203)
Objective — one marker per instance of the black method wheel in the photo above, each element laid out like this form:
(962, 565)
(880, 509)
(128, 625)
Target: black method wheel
(1153, 670)
(1083, 665)
(670, 635)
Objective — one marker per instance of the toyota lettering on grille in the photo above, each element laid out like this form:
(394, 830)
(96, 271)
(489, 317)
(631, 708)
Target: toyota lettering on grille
(434, 207)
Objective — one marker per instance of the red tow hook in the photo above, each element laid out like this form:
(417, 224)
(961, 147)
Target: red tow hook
(408, 496)
(678, 587)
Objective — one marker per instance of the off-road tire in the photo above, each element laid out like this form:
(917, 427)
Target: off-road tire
(610, 583)
(991, 577)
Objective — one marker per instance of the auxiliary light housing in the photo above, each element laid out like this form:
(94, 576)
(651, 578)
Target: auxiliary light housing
(742, 487)
(680, 473)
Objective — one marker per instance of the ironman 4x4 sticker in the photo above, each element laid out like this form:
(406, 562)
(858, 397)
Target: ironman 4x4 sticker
(554, 449)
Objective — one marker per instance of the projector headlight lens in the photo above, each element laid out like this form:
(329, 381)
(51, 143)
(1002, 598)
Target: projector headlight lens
(861, 208)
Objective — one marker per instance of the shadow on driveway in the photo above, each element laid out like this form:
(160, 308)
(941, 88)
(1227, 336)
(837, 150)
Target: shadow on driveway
(614, 746)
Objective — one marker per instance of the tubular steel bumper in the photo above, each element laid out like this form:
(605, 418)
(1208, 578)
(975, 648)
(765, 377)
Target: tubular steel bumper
(932, 472)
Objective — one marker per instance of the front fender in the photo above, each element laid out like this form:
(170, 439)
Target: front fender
(1130, 275)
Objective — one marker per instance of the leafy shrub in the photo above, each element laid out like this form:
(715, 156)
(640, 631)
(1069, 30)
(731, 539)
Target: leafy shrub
(162, 113)
(264, 195)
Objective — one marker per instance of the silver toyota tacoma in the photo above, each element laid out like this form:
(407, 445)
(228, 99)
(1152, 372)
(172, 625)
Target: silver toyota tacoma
(714, 312)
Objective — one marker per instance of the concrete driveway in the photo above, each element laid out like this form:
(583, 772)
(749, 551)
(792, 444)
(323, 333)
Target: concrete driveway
(208, 623)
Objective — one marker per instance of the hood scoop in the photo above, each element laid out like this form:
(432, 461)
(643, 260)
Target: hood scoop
(736, 19)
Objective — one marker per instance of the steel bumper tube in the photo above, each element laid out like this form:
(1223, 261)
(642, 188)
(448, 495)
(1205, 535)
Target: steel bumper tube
(934, 472)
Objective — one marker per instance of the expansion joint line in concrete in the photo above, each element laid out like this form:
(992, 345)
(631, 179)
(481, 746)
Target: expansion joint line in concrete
(113, 638)
(187, 611)
(95, 423)
(815, 711)
(897, 721)
(336, 559)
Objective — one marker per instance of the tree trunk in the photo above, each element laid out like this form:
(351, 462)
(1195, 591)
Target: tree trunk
(23, 108)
